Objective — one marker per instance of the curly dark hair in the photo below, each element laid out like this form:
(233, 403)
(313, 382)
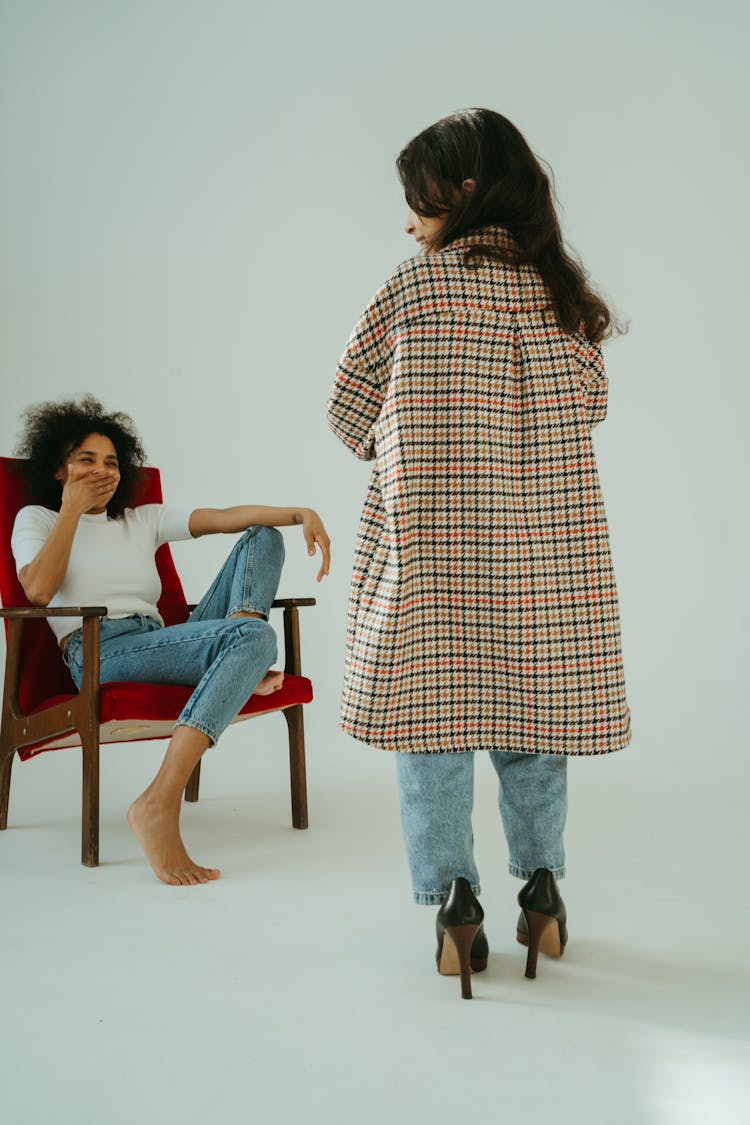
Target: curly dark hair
(53, 430)
(511, 190)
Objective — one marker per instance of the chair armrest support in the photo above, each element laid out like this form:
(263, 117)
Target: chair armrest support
(87, 709)
(292, 648)
(82, 712)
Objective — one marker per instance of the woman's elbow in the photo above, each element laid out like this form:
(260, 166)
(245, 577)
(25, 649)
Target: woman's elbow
(363, 448)
(35, 593)
(38, 597)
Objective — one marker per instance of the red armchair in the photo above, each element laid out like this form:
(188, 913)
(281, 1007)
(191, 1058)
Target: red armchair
(43, 711)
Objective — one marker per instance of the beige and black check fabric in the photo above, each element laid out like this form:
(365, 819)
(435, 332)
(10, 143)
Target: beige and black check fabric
(483, 612)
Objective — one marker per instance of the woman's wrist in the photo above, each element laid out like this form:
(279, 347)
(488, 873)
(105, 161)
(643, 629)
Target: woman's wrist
(69, 513)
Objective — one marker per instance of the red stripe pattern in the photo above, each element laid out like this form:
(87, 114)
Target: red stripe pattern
(483, 612)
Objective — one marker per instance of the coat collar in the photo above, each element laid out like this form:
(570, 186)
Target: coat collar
(490, 235)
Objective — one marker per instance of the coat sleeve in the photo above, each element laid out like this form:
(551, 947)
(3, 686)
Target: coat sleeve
(362, 376)
(594, 380)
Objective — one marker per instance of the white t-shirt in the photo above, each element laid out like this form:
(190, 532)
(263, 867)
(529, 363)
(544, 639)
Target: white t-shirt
(111, 561)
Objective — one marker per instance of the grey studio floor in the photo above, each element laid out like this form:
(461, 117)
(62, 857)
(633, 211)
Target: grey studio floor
(302, 987)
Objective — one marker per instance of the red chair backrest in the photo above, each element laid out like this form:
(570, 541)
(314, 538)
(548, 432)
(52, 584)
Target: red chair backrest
(43, 672)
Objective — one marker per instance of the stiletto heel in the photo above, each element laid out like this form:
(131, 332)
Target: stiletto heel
(539, 926)
(462, 943)
(456, 955)
(542, 922)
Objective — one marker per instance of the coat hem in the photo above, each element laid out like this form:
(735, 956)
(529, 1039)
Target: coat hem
(391, 747)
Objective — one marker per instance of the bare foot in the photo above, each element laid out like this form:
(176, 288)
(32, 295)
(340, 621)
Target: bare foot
(158, 832)
(270, 683)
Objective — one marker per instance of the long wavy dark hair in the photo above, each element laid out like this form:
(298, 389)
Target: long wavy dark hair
(511, 190)
(52, 430)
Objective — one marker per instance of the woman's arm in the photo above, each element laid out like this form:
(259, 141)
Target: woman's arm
(363, 373)
(210, 521)
(43, 576)
(595, 386)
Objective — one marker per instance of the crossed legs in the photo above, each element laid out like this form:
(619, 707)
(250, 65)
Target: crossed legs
(226, 649)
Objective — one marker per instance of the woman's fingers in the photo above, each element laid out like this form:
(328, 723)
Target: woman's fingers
(325, 550)
(324, 543)
(315, 534)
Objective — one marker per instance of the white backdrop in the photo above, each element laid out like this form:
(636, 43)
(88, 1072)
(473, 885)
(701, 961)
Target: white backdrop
(196, 201)
(199, 198)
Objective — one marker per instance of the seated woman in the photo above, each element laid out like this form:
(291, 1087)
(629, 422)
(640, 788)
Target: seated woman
(84, 543)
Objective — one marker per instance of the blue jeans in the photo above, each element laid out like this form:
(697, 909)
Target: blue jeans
(436, 793)
(226, 659)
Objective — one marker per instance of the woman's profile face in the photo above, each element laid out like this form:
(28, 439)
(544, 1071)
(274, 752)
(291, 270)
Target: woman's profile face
(95, 455)
(425, 229)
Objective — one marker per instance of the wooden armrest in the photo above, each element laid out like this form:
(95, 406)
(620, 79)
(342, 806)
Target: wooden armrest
(280, 603)
(54, 611)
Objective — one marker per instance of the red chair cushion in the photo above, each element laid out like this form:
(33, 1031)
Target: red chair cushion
(132, 702)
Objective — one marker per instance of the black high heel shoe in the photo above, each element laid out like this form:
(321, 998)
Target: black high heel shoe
(542, 921)
(462, 947)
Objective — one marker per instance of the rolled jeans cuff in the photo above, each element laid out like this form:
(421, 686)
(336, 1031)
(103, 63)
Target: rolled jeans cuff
(437, 898)
(196, 724)
(526, 872)
(261, 609)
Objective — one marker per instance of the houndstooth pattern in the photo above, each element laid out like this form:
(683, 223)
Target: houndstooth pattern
(483, 611)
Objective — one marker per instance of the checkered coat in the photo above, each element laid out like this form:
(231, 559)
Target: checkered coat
(483, 612)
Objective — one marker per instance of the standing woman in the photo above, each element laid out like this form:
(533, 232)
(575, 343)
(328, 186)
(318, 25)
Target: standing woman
(85, 542)
(483, 611)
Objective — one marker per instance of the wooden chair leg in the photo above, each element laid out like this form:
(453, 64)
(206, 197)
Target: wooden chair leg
(5, 767)
(90, 802)
(191, 789)
(296, 724)
(87, 714)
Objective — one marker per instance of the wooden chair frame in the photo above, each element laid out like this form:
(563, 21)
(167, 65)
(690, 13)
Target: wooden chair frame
(81, 714)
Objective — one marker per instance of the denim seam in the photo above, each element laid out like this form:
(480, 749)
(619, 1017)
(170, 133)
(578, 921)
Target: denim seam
(246, 581)
(168, 643)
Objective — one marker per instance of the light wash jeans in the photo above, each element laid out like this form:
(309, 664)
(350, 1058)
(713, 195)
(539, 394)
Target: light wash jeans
(226, 659)
(436, 793)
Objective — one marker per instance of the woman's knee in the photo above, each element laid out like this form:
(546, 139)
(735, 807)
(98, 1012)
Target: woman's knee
(260, 533)
(260, 636)
(273, 540)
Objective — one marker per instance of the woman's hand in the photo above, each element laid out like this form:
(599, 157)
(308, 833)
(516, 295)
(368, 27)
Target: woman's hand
(89, 491)
(314, 532)
(209, 521)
